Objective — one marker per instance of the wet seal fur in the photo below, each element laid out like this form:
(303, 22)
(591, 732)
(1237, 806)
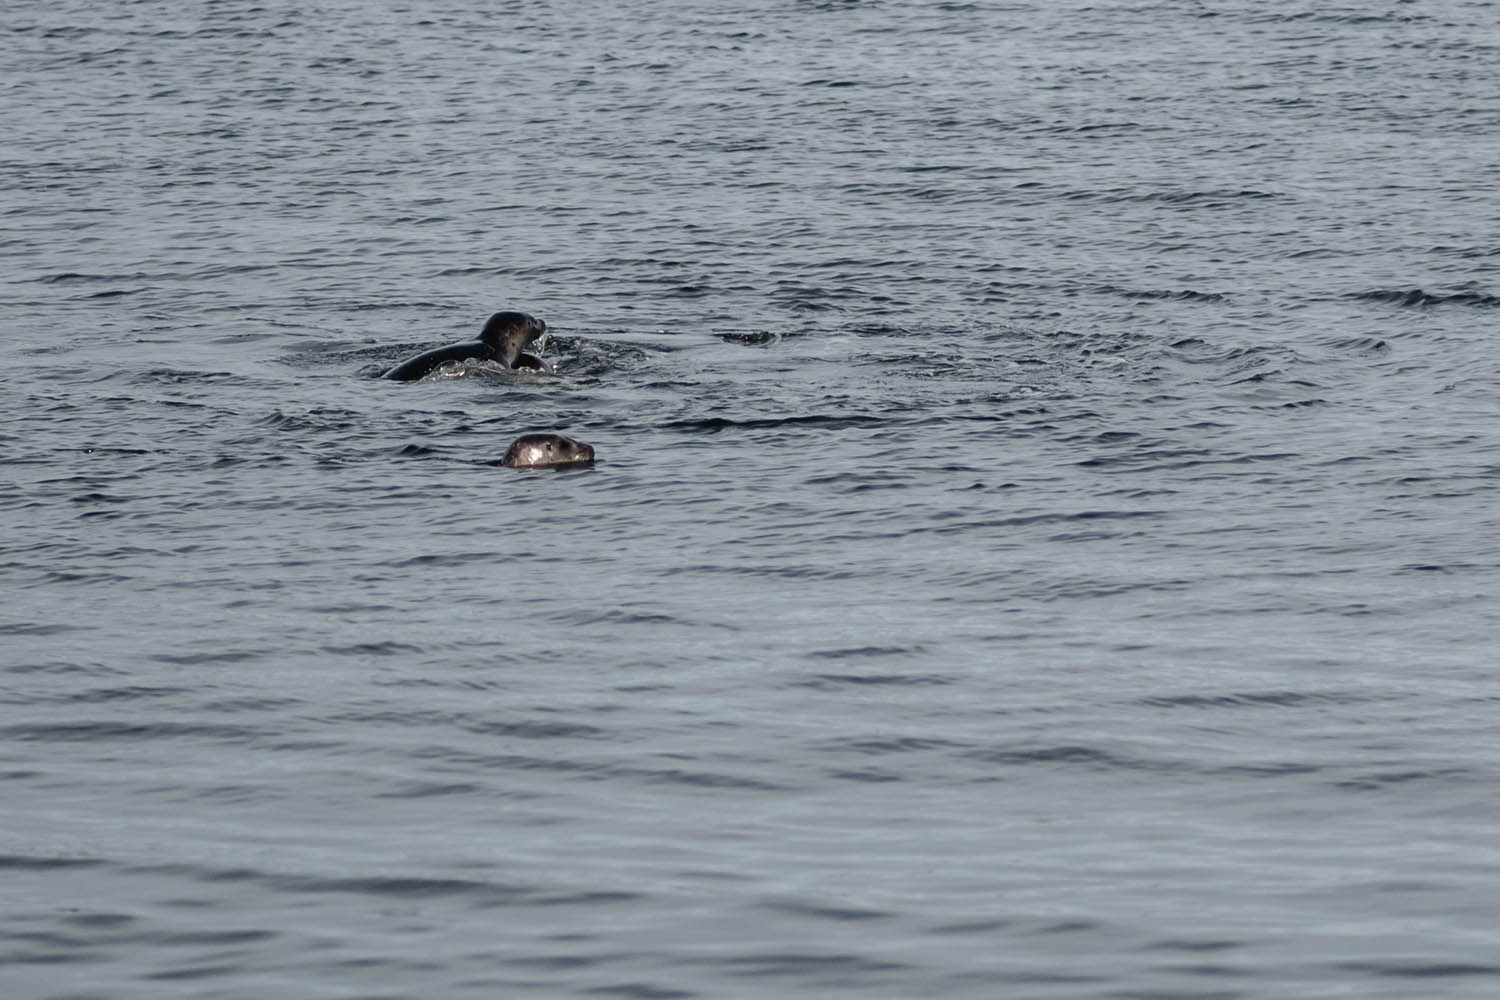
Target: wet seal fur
(504, 340)
(547, 451)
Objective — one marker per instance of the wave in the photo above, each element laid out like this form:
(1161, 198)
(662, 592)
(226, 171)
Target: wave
(1418, 297)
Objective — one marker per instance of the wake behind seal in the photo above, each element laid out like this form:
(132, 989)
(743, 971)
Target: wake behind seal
(503, 340)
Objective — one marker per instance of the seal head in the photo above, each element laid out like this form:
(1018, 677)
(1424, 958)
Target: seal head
(547, 451)
(507, 334)
(503, 339)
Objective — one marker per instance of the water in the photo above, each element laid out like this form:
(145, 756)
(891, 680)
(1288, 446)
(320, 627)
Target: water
(1042, 544)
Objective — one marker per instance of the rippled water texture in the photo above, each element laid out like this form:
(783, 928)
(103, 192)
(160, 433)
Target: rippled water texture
(1042, 543)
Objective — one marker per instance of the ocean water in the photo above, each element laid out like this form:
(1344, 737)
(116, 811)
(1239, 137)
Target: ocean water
(1043, 543)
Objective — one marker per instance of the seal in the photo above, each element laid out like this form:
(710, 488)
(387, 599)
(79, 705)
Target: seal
(547, 451)
(504, 339)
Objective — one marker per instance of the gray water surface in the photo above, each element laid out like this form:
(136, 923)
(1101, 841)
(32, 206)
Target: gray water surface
(1043, 543)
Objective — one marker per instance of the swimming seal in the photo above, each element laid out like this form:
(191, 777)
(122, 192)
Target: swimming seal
(503, 340)
(547, 451)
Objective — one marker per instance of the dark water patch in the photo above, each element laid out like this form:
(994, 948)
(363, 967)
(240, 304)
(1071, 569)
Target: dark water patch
(1200, 945)
(1360, 345)
(1027, 520)
(38, 629)
(130, 693)
(67, 955)
(1177, 295)
(1448, 569)
(879, 746)
(838, 914)
(539, 730)
(107, 732)
(380, 355)
(563, 961)
(1072, 755)
(21, 862)
(1317, 253)
(830, 682)
(1256, 699)
(217, 938)
(599, 771)
(618, 616)
(350, 608)
(1099, 131)
(111, 450)
(294, 746)
(772, 572)
(372, 649)
(173, 376)
(1282, 769)
(116, 293)
(700, 779)
(445, 559)
(1216, 198)
(193, 973)
(1335, 17)
(1002, 416)
(1417, 297)
(1067, 927)
(318, 419)
(220, 795)
(64, 667)
(1109, 437)
(1466, 252)
(75, 277)
(593, 898)
(94, 515)
(851, 483)
(1171, 459)
(1236, 357)
(868, 775)
(640, 991)
(1420, 969)
(426, 790)
(99, 921)
(869, 328)
(865, 651)
(771, 965)
(973, 927)
(205, 659)
(380, 887)
(1382, 781)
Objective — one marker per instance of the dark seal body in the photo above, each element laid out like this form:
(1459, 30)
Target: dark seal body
(502, 340)
(547, 451)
